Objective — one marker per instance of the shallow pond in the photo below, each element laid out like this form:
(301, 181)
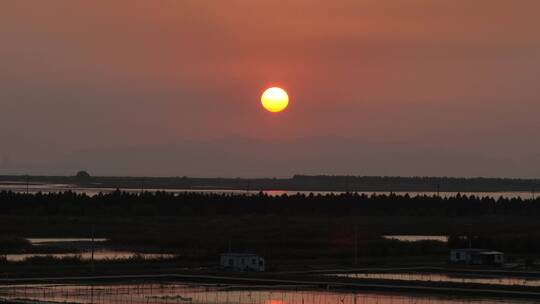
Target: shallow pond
(54, 241)
(417, 238)
(165, 293)
(98, 255)
(455, 278)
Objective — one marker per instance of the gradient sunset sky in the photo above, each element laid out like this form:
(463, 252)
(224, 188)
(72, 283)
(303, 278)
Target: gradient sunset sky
(172, 88)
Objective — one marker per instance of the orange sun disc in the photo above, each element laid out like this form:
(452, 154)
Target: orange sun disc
(275, 99)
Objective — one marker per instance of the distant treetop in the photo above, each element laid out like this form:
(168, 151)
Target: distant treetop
(82, 175)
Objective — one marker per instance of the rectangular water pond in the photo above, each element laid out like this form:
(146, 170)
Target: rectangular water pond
(452, 278)
(168, 292)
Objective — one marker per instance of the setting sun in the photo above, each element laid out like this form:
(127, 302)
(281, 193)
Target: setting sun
(275, 99)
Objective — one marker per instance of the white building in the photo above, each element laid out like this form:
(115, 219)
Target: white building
(488, 258)
(463, 255)
(476, 256)
(242, 261)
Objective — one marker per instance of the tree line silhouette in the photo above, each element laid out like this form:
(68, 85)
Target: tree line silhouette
(204, 204)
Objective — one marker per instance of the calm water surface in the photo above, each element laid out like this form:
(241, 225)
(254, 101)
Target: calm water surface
(46, 188)
(53, 241)
(456, 278)
(84, 254)
(165, 293)
(416, 238)
(98, 255)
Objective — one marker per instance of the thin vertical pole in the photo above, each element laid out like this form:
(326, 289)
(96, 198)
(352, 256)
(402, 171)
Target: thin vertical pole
(470, 240)
(356, 244)
(93, 247)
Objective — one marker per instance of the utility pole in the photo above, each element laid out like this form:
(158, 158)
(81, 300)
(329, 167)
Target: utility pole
(356, 244)
(93, 248)
(27, 183)
(469, 235)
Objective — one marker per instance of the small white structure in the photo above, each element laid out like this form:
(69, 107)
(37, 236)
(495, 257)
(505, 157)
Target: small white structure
(242, 261)
(488, 258)
(463, 255)
(476, 256)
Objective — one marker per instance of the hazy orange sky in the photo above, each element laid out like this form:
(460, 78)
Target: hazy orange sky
(377, 87)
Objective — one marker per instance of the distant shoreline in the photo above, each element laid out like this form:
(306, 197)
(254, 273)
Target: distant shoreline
(303, 183)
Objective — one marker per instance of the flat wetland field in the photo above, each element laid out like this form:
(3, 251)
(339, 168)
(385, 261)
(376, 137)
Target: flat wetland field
(286, 242)
(286, 237)
(332, 241)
